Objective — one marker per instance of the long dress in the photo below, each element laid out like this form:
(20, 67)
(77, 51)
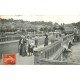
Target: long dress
(23, 47)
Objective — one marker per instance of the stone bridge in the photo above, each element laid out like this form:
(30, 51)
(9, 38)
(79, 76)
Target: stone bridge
(53, 53)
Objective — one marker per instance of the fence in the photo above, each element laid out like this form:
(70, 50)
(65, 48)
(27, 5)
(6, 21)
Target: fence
(3, 39)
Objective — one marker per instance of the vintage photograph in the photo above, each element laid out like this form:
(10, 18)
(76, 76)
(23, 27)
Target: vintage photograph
(39, 40)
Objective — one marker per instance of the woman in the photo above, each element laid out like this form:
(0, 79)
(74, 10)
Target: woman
(22, 44)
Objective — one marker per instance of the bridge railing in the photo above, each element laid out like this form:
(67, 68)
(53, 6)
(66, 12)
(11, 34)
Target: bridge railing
(41, 39)
(68, 37)
(46, 52)
(3, 39)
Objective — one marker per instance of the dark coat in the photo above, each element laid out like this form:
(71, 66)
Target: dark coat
(46, 41)
(22, 44)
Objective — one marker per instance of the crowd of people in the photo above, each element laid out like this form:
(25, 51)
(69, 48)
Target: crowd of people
(27, 44)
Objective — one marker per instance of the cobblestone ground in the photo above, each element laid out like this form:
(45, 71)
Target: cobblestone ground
(74, 55)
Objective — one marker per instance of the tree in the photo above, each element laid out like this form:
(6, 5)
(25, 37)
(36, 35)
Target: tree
(41, 29)
(54, 28)
(61, 28)
(49, 30)
(45, 29)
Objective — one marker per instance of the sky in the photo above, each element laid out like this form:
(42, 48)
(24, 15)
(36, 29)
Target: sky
(54, 18)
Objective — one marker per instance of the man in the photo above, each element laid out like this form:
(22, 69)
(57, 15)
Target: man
(36, 41)
(46, 40)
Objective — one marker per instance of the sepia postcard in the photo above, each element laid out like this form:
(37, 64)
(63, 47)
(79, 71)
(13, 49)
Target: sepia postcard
(39, 40)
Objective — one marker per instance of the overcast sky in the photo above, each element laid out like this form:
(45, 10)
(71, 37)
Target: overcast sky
(55, 18)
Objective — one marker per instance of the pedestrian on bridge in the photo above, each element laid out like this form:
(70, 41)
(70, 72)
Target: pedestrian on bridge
(36, 41)
(22, 46)
(31, 44)
(46, 40)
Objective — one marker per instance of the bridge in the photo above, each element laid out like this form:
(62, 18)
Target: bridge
(51, 54)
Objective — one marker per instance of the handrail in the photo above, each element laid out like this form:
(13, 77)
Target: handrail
(55, 43)
(48, 47)
(67, 36)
